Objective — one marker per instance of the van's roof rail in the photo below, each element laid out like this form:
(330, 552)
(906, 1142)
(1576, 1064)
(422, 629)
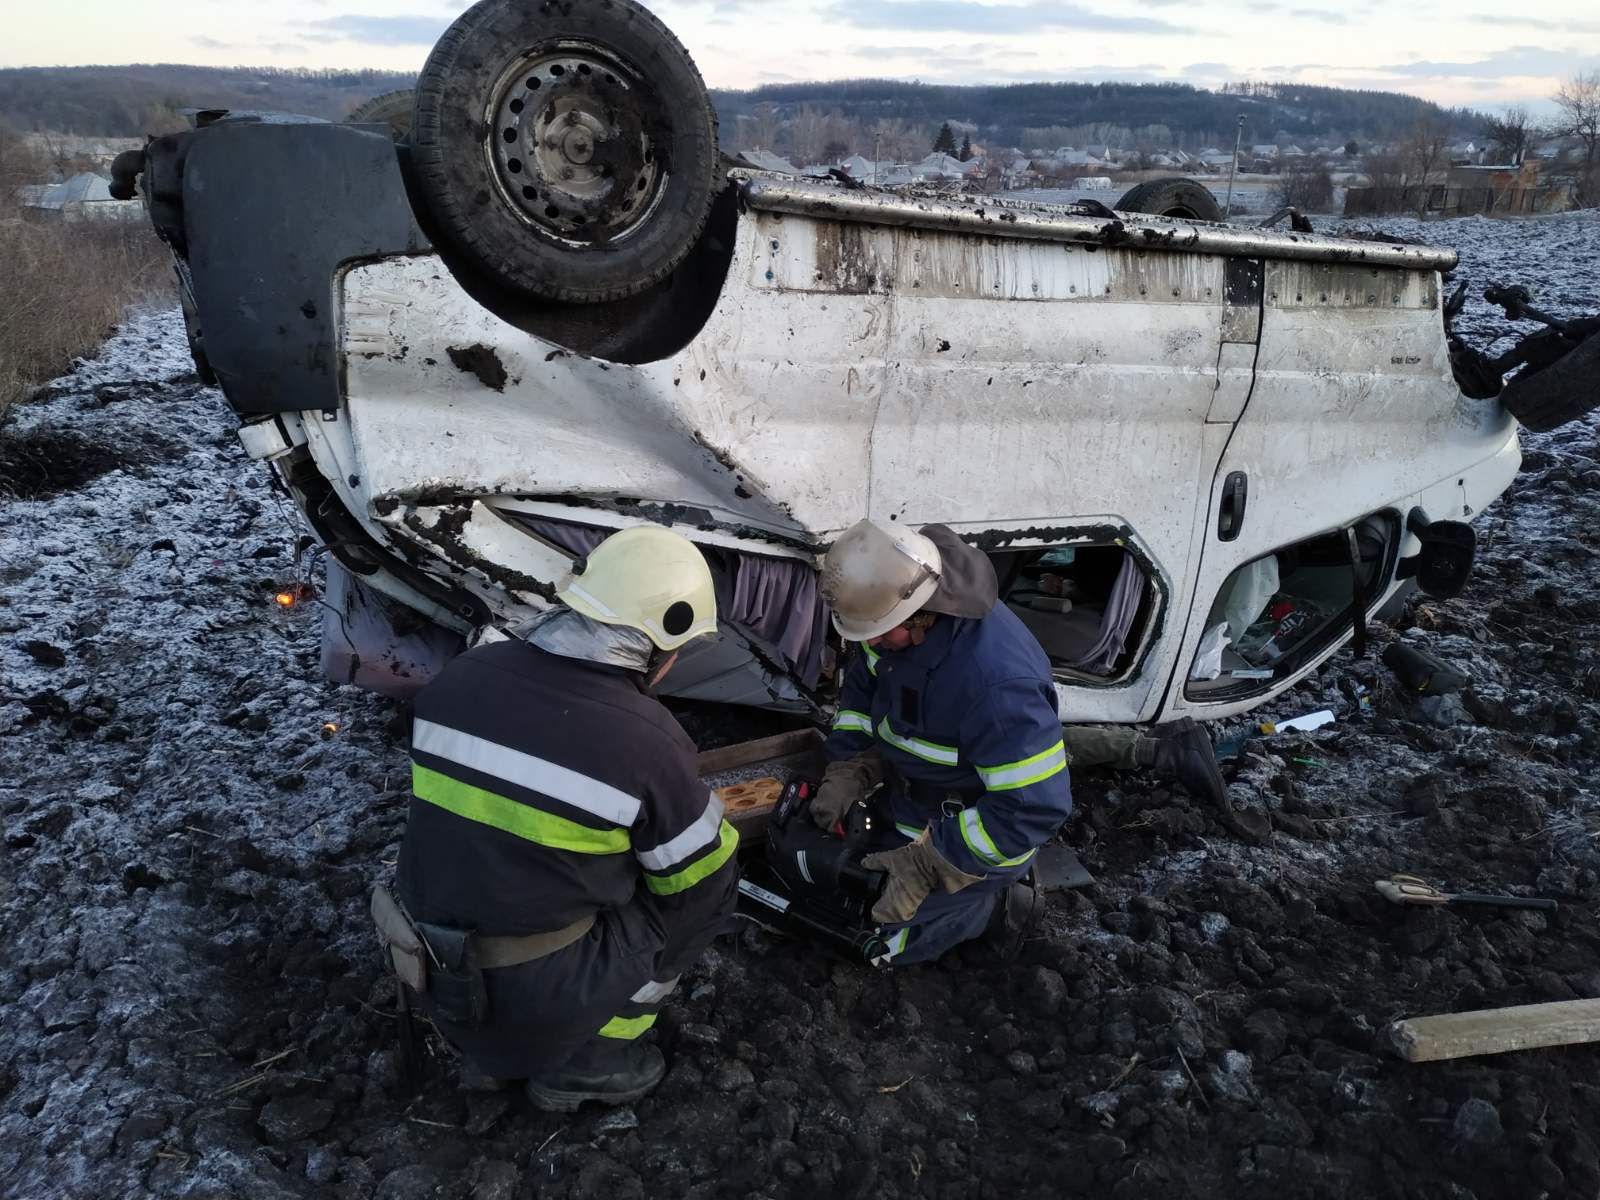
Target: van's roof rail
(992, 218)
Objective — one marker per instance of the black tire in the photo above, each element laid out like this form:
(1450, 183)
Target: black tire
(1177, 197)
(1567, 389)
(614, 190)
(391, 108)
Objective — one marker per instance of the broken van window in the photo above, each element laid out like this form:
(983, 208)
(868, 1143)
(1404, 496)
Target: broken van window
(1088, 605)
(1275, 612)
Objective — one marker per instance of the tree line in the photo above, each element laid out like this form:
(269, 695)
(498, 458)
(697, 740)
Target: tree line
(104, 101)
(801, 118)
(798, 118)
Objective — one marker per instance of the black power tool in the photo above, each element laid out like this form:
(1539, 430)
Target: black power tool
(812, 883)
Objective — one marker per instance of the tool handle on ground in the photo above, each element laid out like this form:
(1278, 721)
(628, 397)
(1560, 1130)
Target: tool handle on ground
(1504, 901)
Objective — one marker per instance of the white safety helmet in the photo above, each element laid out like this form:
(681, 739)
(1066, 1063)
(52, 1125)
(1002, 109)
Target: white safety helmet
(878, 575)
(646, 578)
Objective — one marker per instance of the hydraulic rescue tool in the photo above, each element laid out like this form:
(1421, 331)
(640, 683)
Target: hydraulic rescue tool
(811, 883)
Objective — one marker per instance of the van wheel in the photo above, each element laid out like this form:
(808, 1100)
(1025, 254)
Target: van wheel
(392, 109)
(1567, 389)
(594, 172)
(1182, 198)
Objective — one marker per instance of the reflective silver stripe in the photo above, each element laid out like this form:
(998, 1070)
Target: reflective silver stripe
(982, 845)
(848, 718)
(654, 992)
(978, 837)
(705, 830)
(1029, 770)
(599, 799)
(927, 751)
(589, 598)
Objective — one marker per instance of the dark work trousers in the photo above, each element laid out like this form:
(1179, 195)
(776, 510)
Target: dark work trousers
(944, 919)
(541, 1012)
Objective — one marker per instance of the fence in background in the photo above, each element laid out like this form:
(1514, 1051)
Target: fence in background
(1440, 200)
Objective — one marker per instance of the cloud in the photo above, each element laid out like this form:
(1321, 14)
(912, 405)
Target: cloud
(378, 31)
(1516, 61)
(1320, 14)
(958, 16)
(938, 53)
(1563, 25)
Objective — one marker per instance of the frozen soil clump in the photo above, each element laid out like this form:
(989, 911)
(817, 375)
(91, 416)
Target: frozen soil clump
(192, 821)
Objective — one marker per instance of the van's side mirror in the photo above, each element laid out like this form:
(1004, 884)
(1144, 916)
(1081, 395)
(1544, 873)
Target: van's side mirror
(1444, 563)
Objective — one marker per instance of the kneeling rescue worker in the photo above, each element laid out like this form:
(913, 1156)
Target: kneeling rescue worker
(562, 859)
(951, 705)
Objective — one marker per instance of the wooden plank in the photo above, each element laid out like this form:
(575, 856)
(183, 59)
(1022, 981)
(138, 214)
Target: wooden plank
(1497, 1030)
(742, 754)
(751, 795)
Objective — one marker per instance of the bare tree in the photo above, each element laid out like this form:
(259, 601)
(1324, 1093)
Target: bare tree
(1423, 149)
(894, 139)
(20, 163)
(1423, 152)
(61, 158)
(1579, 102)
(1384, 168)
(808, 133)
(759, 130)
(1511, 134)
(1307, 185)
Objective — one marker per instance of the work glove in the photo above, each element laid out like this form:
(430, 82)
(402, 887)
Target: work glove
(844, 783)
(915, 869)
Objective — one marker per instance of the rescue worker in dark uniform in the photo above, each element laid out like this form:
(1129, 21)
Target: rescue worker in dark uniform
(557, 816)
(951, 704)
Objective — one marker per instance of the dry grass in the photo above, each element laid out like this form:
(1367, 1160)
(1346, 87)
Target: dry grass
(66, 285)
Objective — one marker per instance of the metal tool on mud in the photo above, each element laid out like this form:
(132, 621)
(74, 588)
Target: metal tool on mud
(1408, 889)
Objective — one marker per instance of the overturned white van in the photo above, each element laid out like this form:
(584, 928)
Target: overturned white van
(1200, 455)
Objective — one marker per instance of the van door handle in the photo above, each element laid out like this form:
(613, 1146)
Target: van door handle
(1230, 516)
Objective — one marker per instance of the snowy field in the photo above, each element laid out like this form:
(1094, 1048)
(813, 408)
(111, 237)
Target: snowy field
(192, 821)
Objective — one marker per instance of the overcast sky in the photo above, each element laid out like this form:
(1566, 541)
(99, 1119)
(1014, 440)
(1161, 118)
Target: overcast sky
(1481, 53)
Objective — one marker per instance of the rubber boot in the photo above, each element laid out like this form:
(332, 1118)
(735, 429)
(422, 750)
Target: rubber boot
(1185, 753)
(605, 1070)
(1014, 915)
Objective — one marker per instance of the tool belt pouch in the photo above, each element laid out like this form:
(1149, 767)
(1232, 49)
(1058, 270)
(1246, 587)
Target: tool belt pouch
(405, 951)
(455, 984)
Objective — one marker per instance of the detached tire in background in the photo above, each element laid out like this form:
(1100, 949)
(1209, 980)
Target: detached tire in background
(1177, 197)
(567, 149)
(1567, 389)
(391, 108)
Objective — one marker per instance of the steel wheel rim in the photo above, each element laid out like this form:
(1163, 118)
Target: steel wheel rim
(572, 144)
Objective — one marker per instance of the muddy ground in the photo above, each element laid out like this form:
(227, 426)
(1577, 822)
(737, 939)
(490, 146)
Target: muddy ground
(192, 820)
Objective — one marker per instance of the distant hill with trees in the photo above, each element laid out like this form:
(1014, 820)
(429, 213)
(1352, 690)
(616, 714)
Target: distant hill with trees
(146, 98)
(809, 121)
(784, 117)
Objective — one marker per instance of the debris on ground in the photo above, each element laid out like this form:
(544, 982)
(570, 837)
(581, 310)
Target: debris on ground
(1497, 1030)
